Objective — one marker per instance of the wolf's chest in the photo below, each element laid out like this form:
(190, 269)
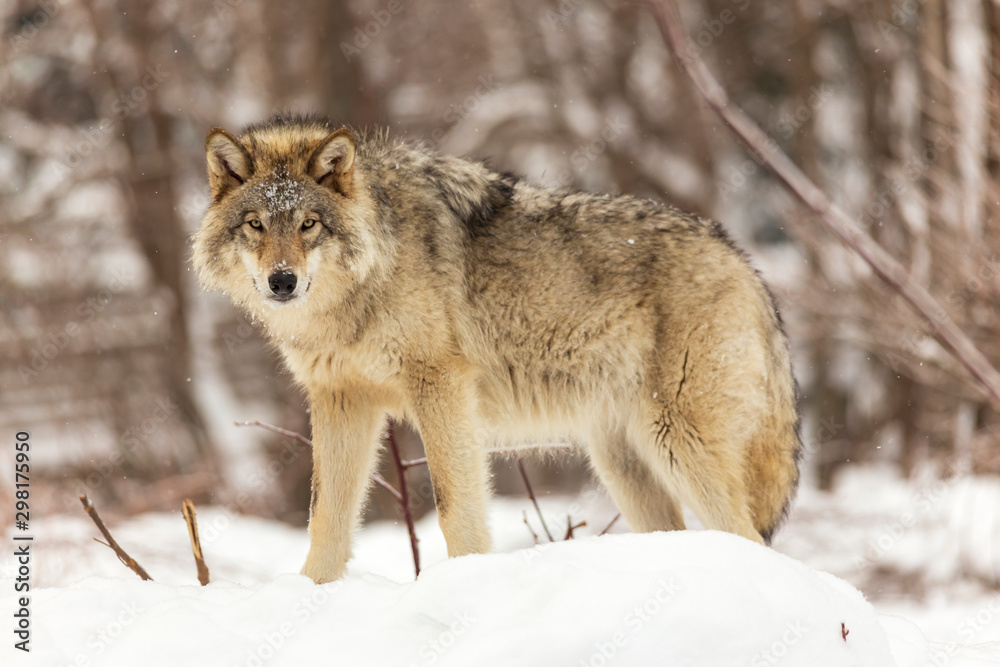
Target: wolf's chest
(335, 365)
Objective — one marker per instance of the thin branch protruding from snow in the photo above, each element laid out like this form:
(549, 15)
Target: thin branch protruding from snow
(531, 494)
(126, 560)
(571, 527)
(187, 509)
(613, 521)
(404, 496)
(534, 535)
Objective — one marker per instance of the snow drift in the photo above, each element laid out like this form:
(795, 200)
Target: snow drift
(687, 598)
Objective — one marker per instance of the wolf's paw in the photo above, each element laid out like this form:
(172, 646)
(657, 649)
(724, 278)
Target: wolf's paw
(322, 570)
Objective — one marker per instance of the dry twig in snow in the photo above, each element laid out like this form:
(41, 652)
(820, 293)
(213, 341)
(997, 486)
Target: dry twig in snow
(110, 541)
(608, 527)
(531, 494)
(187, 509)
(404, 496)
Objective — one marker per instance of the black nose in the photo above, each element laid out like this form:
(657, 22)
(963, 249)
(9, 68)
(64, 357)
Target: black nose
(282, 283)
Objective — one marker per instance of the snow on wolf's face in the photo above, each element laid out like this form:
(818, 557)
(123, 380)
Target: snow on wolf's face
(287, 219)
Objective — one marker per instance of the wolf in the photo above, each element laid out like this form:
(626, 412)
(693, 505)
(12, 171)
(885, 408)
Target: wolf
(490, 313)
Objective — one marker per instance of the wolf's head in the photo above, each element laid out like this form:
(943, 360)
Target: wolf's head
(290, 219)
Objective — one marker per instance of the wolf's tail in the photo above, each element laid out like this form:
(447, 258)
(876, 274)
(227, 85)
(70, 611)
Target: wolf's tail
(776, 450)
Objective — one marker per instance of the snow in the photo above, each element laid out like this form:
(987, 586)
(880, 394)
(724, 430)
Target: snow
(279, 192)
(678, 598)
(687, 598)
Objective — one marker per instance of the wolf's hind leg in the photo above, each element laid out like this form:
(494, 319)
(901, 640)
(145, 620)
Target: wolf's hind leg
(643, 500)
(707, 471)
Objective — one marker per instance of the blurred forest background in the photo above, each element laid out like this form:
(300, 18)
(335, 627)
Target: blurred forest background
(130, 378)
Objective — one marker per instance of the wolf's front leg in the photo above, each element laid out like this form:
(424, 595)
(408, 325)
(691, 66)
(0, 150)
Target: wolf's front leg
(346, 426)
(457, 461)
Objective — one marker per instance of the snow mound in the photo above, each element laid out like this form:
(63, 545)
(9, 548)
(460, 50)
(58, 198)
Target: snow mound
(685, 598)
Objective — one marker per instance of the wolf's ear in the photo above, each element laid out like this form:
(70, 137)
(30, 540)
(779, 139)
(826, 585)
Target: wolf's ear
(229, 163)
(332, 162)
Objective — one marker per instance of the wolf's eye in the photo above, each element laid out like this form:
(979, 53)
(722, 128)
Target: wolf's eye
(308, 223)
(255, 223)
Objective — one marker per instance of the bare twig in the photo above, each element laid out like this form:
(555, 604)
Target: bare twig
(404, 496)
(830, 215)
(608, 527)
(380, 480)
(531, 494)
(187, 509)
(531, 530)
(570, 527)
(127, 560)
(290, 434)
